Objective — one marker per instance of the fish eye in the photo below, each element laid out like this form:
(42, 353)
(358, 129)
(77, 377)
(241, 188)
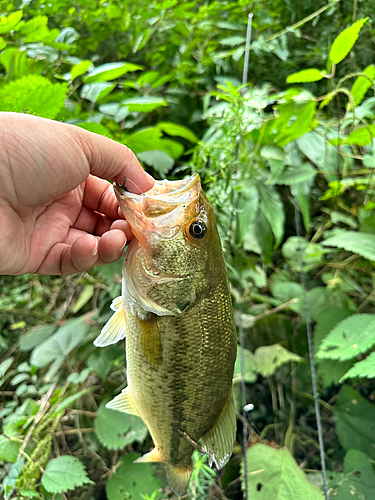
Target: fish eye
(197, 229)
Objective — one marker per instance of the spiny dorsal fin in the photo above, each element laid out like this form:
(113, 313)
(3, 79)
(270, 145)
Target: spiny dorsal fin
(114, 330)
(123, 402)
(154, 455)
(218, 442)
(178, 478)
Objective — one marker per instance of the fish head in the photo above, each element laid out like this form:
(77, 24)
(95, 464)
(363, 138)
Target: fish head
(167, 264)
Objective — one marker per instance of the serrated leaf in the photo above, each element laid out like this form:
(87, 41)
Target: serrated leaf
(8, 449)
(363, 369)
(110, 71)
(63, 474)
(80, 68)
(273, 209)
(269, 358)
(33, 94)
(116, 429)
(306, 75)
(343, 44)
(144, 140)
(96, 128)
(361, 243)
(8, 23)
(249, 366)
(133, 480)
(355, 421)
(177, 130)
(273, 474)
(159, 160)
(352, 336)
(144, 104)
(362, 84)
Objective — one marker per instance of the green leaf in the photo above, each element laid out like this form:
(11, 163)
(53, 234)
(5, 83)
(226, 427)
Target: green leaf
(80, 68)
(362, 84)
(144, 140)
(297, 248)
(5, 365)
(159, 160)
(116, 429)
(110, 71)
(177, 130)
(361, 136)
(8, 23)
(343, 44)
(352, 241)
(36, 336)
(144, 104)
(8, 449)
(70, 400)
(357, 480)
(2, 43)
(131, 480)
(96, 91)
(84, 297)
(306, 75)
(33, 94)
(355, 421)
(96, 128)
(352, 336)
(269, 358)
(363, 369)
(249, 366)
(322, 154)
(302, 124)
(63, 474)
(273, 474)
(61, 343)
(294, 175)
(11, 478)
(233, 40)
(273, 209)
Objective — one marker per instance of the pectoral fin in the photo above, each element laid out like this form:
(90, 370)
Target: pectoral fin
(218, 442)
(114, 330)
(123, 402)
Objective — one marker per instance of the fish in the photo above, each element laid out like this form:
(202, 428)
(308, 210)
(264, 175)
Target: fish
(176, 314)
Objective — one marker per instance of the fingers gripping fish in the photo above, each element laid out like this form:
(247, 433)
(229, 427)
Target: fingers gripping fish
(176, 313)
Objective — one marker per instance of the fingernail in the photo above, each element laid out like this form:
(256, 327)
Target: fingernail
(122, 248)
(95, 249)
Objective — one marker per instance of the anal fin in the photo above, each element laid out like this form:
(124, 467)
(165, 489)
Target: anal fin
(218, 442)
(114, 330)
(178, 478)
(123, 402)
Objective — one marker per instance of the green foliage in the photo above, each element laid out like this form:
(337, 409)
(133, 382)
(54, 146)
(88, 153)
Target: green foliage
(64, 474)
(165, 81)
(273, 473)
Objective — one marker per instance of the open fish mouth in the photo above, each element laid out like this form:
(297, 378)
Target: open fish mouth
(163, 198)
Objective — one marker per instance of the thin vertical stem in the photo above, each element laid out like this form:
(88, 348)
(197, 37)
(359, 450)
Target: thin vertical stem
(247, 49)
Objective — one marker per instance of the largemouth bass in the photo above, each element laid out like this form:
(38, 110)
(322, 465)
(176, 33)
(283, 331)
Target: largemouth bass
(176, 314)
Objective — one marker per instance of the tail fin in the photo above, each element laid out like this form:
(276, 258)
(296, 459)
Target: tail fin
(178, 478)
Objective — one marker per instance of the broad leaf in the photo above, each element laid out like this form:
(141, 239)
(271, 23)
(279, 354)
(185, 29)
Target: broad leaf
(362, 84)
(96, 91)
(80, 68)
(159, 160)
(8, 23)
(352, 336)
(357, 480)
(116, 429)
(177, 130)
(355, 421)
(269, 358)
(36, 336)
(321, 153)
(343, 44)
(63, 474)
(363, 369)
(273, 209)
(273, 474)
(8, 449)
(11, 478)
(306, 75)
(33, 94)
(249, 366)
(294, 175)
(110, 71)
(361, 243)
(131, 480)
(144, 104)
(362, 136)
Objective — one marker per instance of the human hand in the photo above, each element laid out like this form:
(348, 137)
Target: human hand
(57, 213)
